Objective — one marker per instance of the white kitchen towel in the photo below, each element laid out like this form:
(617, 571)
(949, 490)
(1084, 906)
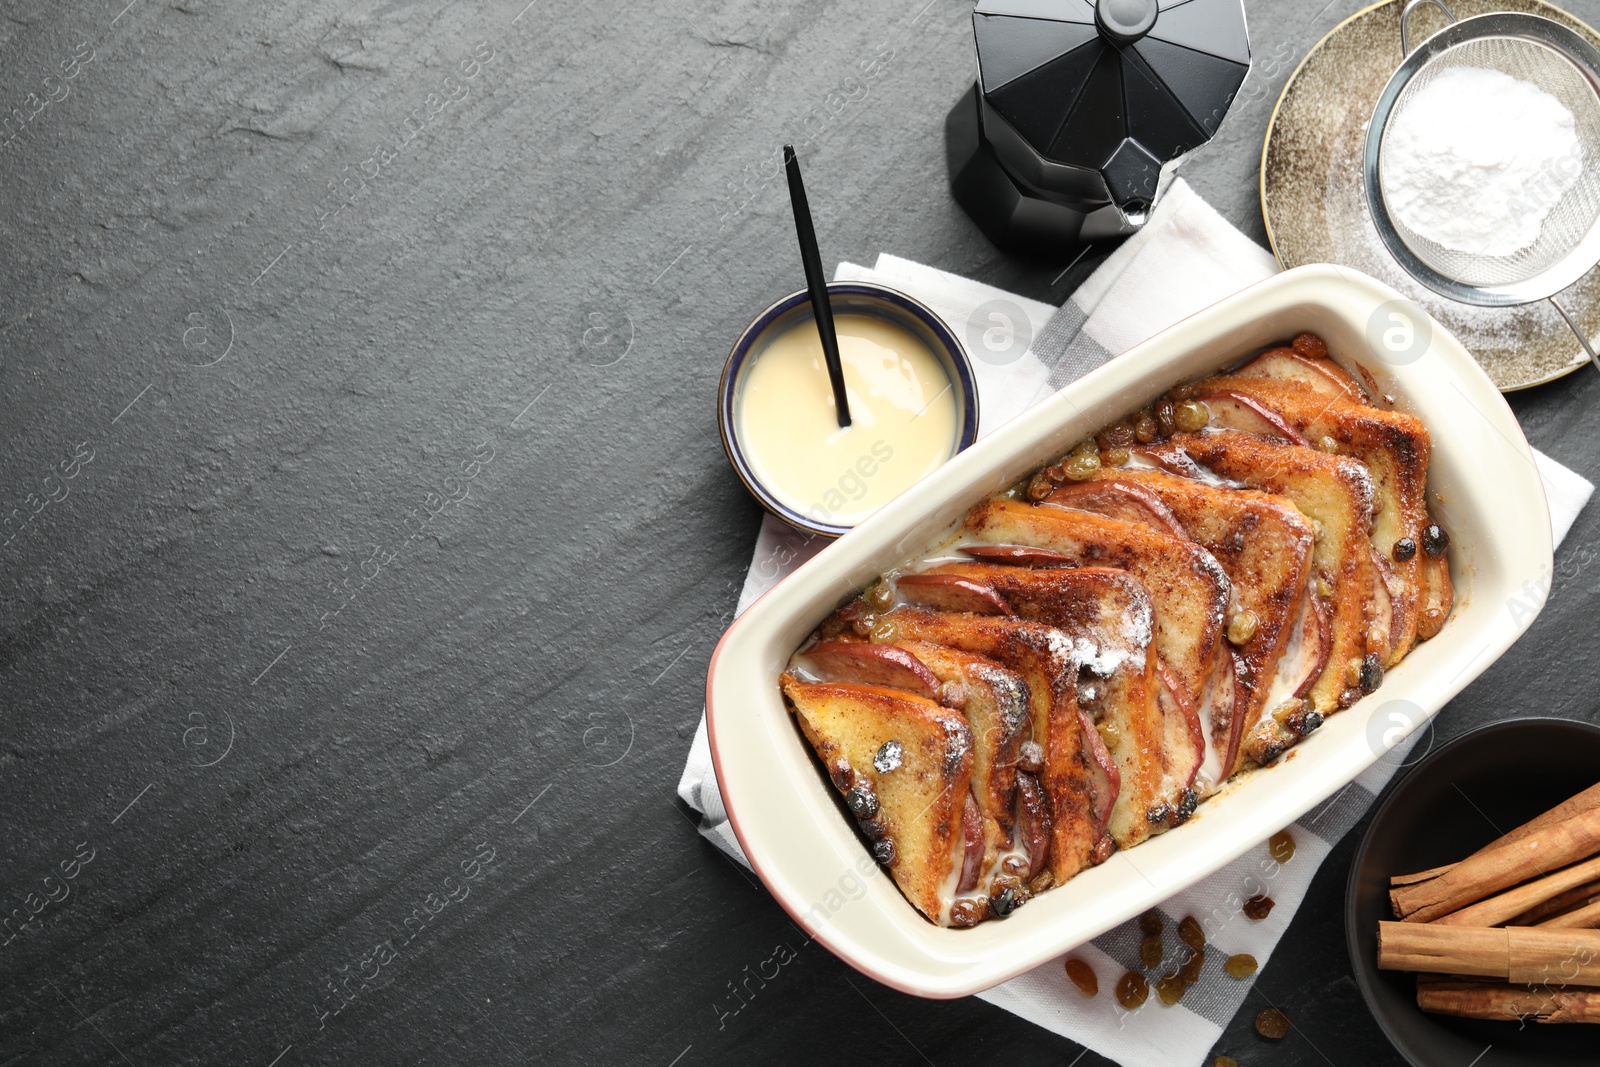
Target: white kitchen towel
(1186, 258)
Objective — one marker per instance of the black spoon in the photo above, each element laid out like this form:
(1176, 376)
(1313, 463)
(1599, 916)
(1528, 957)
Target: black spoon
(817, 282)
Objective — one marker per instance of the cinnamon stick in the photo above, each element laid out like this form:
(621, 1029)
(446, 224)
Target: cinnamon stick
(1584, 918)
(1498, 1000)
(1508, 905)
(1587, 800)
(1518, 954)
(1548, 848)
(1558, 904)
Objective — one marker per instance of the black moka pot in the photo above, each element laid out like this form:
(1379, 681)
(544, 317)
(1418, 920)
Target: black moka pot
(1077, 106)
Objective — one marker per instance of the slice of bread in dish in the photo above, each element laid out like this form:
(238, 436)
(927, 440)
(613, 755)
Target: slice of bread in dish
(1080, 780)
(1188, 588)
(1264, 544)
(1156, 759)
(1394, 447)
(1337, 493)
(913, 758)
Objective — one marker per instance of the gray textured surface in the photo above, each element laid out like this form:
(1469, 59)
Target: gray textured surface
(297, 700)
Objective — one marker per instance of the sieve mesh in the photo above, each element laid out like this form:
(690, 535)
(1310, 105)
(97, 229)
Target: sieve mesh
(1571, 217)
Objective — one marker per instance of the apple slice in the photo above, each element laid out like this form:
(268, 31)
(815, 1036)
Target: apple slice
(1076, 784)
(1033, 821)
(1118, 499)
(1234, 409)
(869, 664)
(972, 851)
(904, 764)
(949, 592)
(1320, 373)
(1020, 555)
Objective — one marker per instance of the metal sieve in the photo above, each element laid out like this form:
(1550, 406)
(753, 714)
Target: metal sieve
(1565, 65)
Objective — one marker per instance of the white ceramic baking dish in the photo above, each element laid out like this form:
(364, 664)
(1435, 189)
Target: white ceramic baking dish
(1483, 488)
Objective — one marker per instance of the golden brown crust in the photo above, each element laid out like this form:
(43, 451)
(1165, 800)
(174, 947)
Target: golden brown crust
(1335, 491)
(1186, 584)
(1395, 448)
(1111, 609)
(1264, 544)
(1036, 653)
(919, 802)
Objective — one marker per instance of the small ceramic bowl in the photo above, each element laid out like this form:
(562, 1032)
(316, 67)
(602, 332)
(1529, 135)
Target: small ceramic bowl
(862, 298)
(1452, 803)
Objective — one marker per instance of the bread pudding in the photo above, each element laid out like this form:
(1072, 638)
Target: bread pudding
(1177, 601)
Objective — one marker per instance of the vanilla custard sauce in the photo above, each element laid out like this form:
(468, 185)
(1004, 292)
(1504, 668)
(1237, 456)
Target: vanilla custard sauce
(903, 407)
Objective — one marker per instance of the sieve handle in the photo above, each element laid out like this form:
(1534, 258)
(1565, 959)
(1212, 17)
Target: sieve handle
(1405, 17)
(1582, 338)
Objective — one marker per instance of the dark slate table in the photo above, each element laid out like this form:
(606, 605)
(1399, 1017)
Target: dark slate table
(369, 532)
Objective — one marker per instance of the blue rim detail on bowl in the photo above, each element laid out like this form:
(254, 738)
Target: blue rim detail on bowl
(863, 297)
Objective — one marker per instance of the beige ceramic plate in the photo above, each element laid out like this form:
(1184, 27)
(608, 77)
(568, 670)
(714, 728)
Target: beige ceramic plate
(1315, 205)
(1482, 487)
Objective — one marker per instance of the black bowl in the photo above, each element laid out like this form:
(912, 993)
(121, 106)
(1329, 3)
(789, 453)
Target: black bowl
(1454, 802)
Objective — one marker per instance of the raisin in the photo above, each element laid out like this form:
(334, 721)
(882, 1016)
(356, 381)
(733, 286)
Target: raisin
(1132, 990)
(1083, 977)
(862, 802)
(1040, 487)
(1115, 457)
(1004, 902)
(1371, 673)
(883, 851)
(1190, 971)
(1190, 416)
(1281, 845)
(1241, 966)
(1150, 922)
(1224, 1061)
(1144, 428)
(883, 631)
(1192, 933)
(1310, 345)
(1259, 906)
(1272, 1023)
(1242, 627)
(966, 912)
(1435, 541)
(1404, 550)
(1150, 952)
(1164, 421)
(1171, 988)
(1081, 468)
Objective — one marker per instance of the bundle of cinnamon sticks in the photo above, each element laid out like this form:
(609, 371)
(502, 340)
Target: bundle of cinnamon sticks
(1511, 931)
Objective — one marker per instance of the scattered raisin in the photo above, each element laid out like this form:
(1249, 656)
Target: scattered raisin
(1151, 922)
(1272, 1023)
(1144, 427)
(1404, 550)
(1224, 1061)
(1190, 416)
(1310, 345)
(1115, 457)
(1164, 421)
(1150, 952)
(1039, 487)
(1080, 468)
(1170, 988)
(1190, 971)
(1371, 673)
(1281, 845)
(1085, 446)
(889, 756)
(1083, 977)
(883, 851)
(1017, 866)
(880, 595)
(1435, 541)
(1241, 966)
(862, 802)
(863, 626)
(1056, 472)
(1192, 933)
(1259, 906)
(1132, 990)
(1242, 626)
(884, 631)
